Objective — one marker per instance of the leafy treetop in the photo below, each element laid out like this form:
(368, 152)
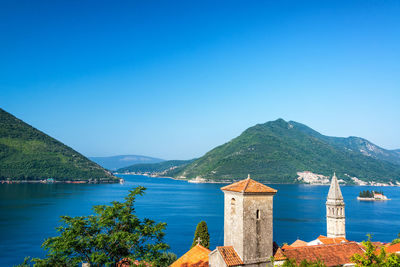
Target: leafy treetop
(103, 239)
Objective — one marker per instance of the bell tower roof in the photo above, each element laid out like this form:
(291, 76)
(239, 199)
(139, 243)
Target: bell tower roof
(249, 186)
(334, 190)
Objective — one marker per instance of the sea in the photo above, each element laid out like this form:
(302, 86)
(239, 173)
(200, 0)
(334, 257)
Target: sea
(29, 213)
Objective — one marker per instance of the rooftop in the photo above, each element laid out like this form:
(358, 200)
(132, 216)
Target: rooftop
(249, 186)
(393, 248)
(332, 240)
(331, 255)
(298, 243)
(230, 256)
(195, 257)
(334, 190)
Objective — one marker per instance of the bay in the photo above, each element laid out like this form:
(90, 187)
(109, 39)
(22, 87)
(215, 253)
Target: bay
(29, 213)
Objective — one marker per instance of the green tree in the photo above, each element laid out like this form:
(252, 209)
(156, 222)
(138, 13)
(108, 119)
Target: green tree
(168, 258)
(202, 233)
(373, 259)
(397, 240)
(103, 239)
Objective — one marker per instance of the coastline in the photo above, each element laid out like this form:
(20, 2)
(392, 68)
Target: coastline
(232, 181)
(59, 182)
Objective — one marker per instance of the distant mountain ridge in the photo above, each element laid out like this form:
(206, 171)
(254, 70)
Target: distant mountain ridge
(160, 168)
(353, 143)
(275, 151)
(29, 154)
(116, 162)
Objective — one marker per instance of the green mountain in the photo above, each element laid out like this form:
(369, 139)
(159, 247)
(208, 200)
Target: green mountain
(160, 168)
(275, 151)
(355, 144)
(121, 161)
(28, 154)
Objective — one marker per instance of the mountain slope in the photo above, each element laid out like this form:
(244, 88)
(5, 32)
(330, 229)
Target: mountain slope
(28, 154)
(356, 144)
(117, 162)
(276, 151)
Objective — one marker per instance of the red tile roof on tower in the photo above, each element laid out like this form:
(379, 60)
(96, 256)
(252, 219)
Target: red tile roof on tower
(331, 255)
(230, 256)
(248, 186)
(195, 257)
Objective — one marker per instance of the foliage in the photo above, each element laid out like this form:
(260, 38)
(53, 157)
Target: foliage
(202, 233)
(113, 233)
(304, 263)
(372, 258)
(369, 194)
(168, 258)
(28, 154)
(397, 240)
(276, 151)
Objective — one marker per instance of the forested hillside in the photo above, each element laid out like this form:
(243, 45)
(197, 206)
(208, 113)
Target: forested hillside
(275, 151)
(28, 154)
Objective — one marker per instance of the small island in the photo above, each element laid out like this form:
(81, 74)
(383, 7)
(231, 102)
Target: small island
(372, 195)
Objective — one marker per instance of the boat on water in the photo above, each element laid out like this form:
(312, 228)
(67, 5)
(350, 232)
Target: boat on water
(121, 181)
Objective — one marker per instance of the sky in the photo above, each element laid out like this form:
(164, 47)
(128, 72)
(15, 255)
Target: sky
(173, 79)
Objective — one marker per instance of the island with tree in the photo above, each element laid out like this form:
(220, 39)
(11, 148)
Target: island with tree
(372, 195)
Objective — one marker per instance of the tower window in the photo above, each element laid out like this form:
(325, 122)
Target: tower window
(233, 206)
(258, 214)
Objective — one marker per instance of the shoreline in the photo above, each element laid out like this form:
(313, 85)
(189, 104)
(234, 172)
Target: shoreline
(58, 182)
(193, 181)
(233, 181)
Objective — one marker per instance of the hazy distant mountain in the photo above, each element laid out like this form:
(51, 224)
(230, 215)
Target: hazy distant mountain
(117, 162)
(275, 151)
(156, 168)
(28, 154)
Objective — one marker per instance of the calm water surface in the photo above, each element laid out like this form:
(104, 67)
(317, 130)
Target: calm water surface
(30, 212)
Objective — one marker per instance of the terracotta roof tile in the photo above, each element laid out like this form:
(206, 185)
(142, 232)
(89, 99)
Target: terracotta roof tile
(279, 256)
(298, 243)
(195, 257)
(332, 240)
(393, 248)
(286, 246)
(248, 186)
(230, 256)
(331, 255)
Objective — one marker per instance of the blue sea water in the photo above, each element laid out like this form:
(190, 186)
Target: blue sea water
(30, 212)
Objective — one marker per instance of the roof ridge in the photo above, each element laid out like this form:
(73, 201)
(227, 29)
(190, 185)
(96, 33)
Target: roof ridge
(249, 186)
(324, 245)
(246, 185)
(204, 248)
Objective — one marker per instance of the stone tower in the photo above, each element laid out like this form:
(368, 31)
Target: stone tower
(248, 222)
(335, 219)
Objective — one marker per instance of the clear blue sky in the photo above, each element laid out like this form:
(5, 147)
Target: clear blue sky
(173, 79)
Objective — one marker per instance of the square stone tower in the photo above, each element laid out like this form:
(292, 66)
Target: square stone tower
(248, 225)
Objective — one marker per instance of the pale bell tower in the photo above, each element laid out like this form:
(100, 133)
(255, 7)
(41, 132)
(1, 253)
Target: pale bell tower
(248, 221)
(335, 218)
